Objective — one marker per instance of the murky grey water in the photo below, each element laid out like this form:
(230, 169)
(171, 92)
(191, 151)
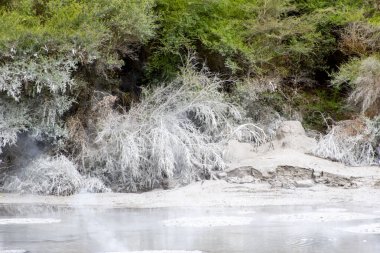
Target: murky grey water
(252, 230)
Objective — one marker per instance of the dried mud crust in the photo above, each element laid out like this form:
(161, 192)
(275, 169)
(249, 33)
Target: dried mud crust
(291, 177)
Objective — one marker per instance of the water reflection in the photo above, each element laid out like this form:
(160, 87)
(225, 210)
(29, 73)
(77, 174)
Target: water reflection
(260, 230)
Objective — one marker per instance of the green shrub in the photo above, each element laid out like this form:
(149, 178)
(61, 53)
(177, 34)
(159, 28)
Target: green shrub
(190, 25)
(260, 37)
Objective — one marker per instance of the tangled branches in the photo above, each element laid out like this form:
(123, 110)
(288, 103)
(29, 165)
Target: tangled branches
(51, 176)
(351, 142)
(177, 131)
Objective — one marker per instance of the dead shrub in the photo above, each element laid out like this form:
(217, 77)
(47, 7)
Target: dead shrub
(367, 84)
(177, 131)
(360, 39)
(351, 142)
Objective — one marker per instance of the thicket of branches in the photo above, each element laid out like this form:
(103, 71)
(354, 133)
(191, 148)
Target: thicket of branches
(351, 142)
(176, 132)
(50, 176)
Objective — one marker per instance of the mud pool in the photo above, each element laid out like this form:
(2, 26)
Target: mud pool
(50, 229)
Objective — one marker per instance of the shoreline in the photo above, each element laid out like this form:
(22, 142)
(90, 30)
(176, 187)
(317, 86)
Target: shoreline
(208, 194)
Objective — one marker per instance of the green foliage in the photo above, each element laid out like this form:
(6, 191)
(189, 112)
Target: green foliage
(322, 107)
(45, 44)
(347, 73)
(85, 29)
(265, 36)
(266, 101)
(189, 25)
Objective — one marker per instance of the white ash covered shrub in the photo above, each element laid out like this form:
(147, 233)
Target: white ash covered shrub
(51, 176)
(352, 142)
(93, 185)
(363, 75)
(13, 120)
(176, 132)
(367, 84)
(34, 97)
(34, 75)
(47, 116)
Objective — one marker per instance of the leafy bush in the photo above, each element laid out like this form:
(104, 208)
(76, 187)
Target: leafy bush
(256, 37)
(183, 25)
(176, 131)
(85, 29)
(47, 48)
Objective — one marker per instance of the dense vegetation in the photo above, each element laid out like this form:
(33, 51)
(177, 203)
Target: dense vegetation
(69, 68)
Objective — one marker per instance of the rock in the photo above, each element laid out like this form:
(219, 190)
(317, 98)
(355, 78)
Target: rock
(290, 129)
(294, 172)
(350, 128)
(300, 143)
(275, 184)
(221, 175)
(241, 180)
(333, 180)
(292, 176)
(286, 184)
(292, 135)
(243, 175)
(377, 185)
(244, 171)
(304, 183)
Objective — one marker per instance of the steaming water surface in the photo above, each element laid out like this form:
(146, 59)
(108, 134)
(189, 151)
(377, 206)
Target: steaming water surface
(189, 230)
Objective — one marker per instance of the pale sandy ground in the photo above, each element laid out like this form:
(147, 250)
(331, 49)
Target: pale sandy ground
(144, 251)
(211, 193)
(157, 251)
(289, 149)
